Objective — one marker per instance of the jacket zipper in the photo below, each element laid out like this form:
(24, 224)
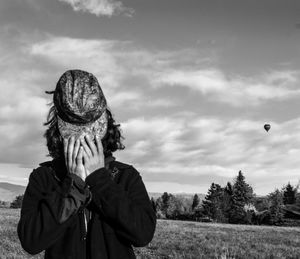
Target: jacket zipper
(85, 222)
(83, 228)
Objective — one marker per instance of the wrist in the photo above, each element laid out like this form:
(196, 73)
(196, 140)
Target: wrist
(93, 168)
(81, 176)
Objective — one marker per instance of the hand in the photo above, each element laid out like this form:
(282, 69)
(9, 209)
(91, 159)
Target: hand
(93, 157)
(74, 157)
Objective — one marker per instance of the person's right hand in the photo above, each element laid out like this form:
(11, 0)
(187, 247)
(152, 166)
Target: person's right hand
(74, 157)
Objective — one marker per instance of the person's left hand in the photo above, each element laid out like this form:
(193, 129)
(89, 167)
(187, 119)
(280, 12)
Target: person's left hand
(93, 157)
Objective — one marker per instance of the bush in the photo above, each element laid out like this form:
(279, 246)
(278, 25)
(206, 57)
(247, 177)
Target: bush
(17, 203)
(4, 204)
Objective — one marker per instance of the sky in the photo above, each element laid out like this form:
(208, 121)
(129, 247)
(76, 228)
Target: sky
(192, 84)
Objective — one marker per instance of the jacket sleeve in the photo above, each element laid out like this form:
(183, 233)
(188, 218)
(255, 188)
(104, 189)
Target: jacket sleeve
(130, 211)
(47, 209)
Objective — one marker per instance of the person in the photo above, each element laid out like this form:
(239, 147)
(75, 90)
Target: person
(84, 203)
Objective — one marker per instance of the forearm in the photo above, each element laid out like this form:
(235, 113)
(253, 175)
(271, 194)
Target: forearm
(130, 211)
(38, 229)
(46, 213)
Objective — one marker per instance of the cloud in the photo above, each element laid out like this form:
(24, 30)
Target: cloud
(91, 55)
(23, 104)
(121, 71)
(22, 130)
(119, 64)
(100, 7)
(212, 148)
(234, 90)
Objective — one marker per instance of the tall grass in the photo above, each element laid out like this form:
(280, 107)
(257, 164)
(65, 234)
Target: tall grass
(185, 239)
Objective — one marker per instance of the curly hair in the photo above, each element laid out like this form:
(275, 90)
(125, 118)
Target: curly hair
(111, 142)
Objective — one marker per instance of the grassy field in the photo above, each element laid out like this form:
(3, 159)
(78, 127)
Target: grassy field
(184, 239)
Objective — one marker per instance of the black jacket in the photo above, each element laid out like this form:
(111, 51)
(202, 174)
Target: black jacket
(99, 218)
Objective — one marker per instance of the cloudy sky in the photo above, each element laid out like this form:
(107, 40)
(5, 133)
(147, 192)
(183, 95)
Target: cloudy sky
(191, 82)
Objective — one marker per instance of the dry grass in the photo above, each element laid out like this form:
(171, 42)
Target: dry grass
(179, 239)
(10, 247)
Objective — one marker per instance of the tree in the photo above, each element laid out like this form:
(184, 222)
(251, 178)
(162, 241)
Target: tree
(276, 207)
(158, 206)
(164, 200)
(4, 204)
(17, 203)
(241, 196)
(196, 201)
(212, 203)
(261, 203)
(174, 207)
(289, 194)
(153, 204)
(186, 203)
(242, 190)
(227, 201)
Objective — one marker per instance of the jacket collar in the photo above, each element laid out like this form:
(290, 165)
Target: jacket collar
(108, 160)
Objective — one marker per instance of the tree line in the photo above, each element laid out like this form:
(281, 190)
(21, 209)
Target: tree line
(234, 203)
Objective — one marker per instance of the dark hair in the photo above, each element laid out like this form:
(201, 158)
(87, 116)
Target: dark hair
(111, 141)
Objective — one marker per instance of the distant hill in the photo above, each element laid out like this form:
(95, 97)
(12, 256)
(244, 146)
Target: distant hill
(155, 195)
(8, 191)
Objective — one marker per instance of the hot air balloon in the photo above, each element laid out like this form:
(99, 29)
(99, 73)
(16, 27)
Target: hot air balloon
(267, 127)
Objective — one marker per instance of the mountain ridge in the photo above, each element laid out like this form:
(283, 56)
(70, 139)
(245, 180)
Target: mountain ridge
(8, 192)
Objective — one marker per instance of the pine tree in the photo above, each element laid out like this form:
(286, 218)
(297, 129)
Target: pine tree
(241, 196)
(196, 201)
(227, 201)
(212, 203)
(289, 194)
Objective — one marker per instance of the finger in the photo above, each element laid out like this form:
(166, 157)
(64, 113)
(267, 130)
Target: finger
(86, 147)
(79, 156)
(85, 158)
(75, 151)
(70, 150)
(91, 144)
(66, 151)
(65, 146)
(99, 145)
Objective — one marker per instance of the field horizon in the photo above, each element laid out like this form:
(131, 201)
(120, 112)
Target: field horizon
(8, 192)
